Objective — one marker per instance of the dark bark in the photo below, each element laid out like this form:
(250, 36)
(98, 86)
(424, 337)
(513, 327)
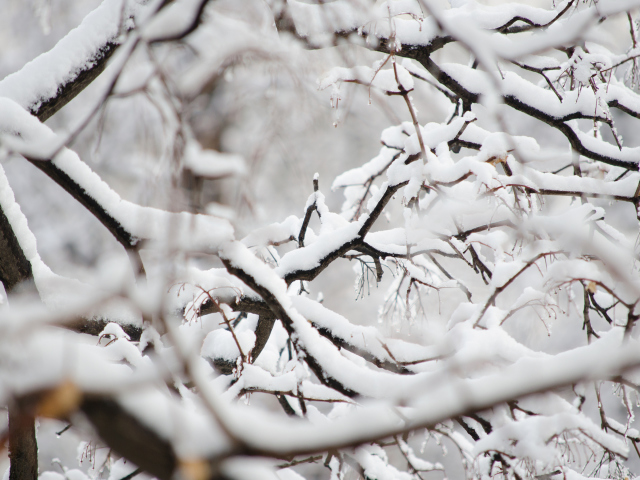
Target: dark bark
(45, 109)
(245, 304)
(15, 270)
(95, 326)
(92, 67)
(68, 91)
(517, 104)
(311, 273)
(124, 237)
(263, 332)
(282, 399)
(279, 312)
(127, 436)
(378, 362)
(189, 28)
(23, 449)
(14, 266)
(261, 308)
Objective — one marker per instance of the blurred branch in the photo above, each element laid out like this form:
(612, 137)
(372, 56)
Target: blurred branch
(95, 326)
(127, 436)
(15, 270)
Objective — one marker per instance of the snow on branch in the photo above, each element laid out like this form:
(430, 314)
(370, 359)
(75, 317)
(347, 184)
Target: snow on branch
(51, 80)
(129, 223)
(492, 238)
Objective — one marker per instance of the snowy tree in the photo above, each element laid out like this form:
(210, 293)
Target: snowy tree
(492, 240)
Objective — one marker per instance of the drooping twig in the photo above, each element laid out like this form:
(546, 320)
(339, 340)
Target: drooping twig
(307, 216)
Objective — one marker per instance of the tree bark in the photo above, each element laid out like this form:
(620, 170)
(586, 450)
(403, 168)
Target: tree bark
(14, 266)
(23, 449)
(68, 91)
(15, 270)
(127, 436)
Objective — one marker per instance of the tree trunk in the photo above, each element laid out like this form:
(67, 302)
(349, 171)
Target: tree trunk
(23, 449)
(15, 270)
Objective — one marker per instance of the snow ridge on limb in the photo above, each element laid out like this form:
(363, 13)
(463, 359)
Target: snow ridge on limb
(420, 37)
(129, 223)
(15, 268)
(308, 262)
(50, 81)
(365, 342)
(429, 406)
(47, 83)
